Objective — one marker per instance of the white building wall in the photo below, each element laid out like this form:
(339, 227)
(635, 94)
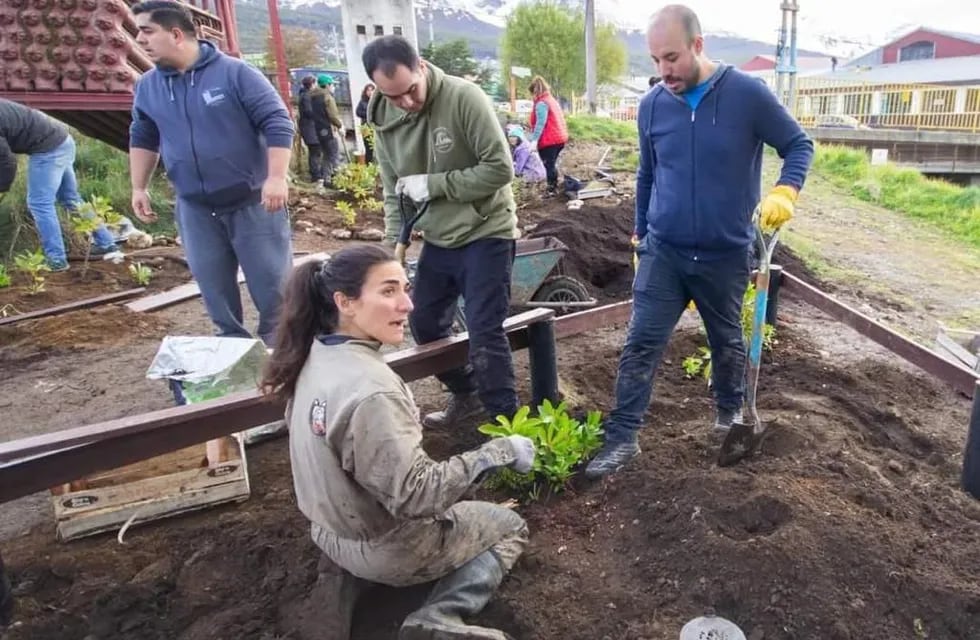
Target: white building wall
(363, 21)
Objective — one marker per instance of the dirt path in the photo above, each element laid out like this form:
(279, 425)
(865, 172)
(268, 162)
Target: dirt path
(886, 264)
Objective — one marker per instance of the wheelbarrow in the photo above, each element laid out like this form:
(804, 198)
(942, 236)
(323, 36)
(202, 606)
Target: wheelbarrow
(535, 281)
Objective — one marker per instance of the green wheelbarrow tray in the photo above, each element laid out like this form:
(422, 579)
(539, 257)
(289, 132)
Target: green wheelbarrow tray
(533, 282)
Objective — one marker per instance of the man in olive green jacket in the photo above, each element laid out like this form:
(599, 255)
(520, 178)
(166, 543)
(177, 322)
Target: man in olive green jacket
(440, 149)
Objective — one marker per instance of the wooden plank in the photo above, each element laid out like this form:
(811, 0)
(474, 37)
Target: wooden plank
(957, 376)
(190, 290)
(77, 305)
(163, 493)
(39, 462)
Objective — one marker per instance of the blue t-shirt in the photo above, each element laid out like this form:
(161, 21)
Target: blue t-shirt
(693, 96)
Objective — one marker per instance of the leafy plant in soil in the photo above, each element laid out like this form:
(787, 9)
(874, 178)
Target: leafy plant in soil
(357, 182)
(561, 442)
(89, 217)
(699, 363)
(4, 277)
(140, 273)
(347, 213)
(34, 265)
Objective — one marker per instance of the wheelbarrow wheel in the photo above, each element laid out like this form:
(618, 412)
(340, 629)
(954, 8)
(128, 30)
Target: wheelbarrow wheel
(562, 289)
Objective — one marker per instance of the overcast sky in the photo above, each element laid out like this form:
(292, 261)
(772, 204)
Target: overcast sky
(866, 23)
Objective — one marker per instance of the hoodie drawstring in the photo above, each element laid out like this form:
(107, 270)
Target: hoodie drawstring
(193, 71)
(170, 85)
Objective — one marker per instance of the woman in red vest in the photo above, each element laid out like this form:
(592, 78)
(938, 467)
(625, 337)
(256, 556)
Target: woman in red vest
(548, 130)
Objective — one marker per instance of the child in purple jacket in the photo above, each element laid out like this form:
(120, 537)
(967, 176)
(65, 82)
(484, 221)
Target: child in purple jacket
(527, 163)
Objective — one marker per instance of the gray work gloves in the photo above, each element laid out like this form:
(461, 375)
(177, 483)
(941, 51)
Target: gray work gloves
(516, 452)
(523, 453)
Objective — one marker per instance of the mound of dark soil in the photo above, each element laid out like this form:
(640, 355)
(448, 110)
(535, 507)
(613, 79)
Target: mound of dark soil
(599, 253)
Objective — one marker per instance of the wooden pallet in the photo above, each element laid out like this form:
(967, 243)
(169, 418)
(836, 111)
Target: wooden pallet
(160, 487)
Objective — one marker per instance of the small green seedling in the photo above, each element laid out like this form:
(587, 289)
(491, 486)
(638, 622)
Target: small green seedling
(34, 265)
(347, 213)
(4, 277)
(140, 273)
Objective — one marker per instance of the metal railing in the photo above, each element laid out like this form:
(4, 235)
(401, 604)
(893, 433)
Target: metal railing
(852, 103)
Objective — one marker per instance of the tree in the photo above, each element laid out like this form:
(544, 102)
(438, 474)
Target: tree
(550, 40)
(302, 48)
(456, 58)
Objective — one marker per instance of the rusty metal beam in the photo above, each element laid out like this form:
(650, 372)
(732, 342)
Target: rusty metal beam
(40, 462)
(958, 377)
(73, 306)
(584, 321)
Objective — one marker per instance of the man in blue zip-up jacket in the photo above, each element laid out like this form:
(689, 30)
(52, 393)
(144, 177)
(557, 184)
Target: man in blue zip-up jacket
(225, 137)
(701, 136)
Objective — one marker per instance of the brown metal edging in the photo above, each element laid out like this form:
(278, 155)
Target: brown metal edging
(608, 315)
(190, 290)
(37, 463)
(77, 305)
(958, 377)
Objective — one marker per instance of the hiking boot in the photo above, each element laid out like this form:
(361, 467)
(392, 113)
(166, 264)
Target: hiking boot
(464, 592)
(725, 419)
(611, 458)
(462, 408)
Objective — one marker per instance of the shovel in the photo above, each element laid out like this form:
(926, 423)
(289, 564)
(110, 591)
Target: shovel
(405, 233)
(745, 436)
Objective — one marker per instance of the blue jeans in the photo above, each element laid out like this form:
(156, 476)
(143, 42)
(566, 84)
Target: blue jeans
(480, 272)
(50, 179)
(665, 283)
(217, 243)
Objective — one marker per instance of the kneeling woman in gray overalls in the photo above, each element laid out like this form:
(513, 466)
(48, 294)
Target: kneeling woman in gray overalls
(381, 509)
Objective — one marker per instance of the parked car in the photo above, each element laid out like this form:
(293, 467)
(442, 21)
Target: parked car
(839, 121)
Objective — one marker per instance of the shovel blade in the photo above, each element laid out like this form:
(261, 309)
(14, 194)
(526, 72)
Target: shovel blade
(741, 442)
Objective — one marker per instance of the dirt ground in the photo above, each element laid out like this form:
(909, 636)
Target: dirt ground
(849, 524)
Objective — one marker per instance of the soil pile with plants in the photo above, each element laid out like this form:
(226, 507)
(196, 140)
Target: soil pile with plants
(598, 240)
(848, 525)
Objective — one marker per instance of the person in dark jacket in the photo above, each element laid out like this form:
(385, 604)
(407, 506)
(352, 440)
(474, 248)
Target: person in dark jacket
(226, 137)
(701, 130)
(307, 129)
(361, 113)
(326, 116)
(50, 177)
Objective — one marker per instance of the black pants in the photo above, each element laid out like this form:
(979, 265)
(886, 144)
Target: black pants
(549, 157)
(480, 272)
(316, 162)
(331, 154)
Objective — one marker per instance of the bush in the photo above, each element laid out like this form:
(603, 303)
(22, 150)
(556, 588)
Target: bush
(561, 443)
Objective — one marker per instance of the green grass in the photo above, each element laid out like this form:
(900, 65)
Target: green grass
(101, 170)
(946, 206)
(595, 129)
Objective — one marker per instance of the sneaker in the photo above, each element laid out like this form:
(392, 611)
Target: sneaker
(101, 251)
(725, 419)
(57, 265)
(462, 408)
(612, 458)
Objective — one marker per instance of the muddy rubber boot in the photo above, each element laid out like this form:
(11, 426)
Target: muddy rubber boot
(463, 592)
(6, 598)
(327, 611)
(462, 407)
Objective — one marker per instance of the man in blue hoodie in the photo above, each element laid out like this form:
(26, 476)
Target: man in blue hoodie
(701, 136)
(225, 137)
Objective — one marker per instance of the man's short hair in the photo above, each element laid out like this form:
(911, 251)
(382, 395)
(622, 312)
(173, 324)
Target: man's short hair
(683, 14)
(168, 14)
(387, 53)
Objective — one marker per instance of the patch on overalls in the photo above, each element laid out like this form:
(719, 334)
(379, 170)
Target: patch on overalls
(318, 418)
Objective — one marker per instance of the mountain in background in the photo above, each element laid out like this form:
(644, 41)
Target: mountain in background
(479, 22)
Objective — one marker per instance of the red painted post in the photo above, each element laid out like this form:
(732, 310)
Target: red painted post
(280, 52)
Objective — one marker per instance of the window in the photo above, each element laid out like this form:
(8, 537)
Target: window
(379, 30)
(972, 100)
(361, 30)
(896, 102)
(396, 30)
(922, 50)
(857, 104)
(938, 100)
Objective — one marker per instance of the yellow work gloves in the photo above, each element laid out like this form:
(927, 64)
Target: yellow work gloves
(777, 208)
